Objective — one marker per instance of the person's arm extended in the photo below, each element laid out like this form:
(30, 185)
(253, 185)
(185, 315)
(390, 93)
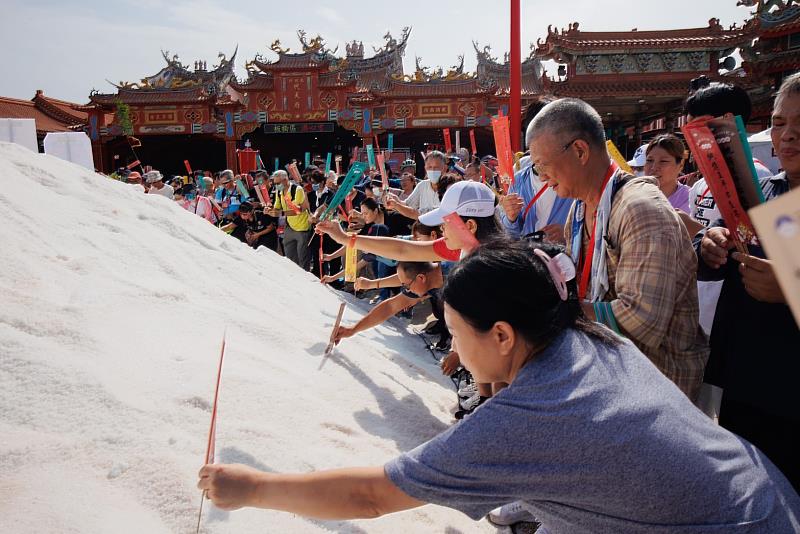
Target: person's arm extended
(333, 255)
(388, 247)
(350, 493)
(228, 228)
(377, 315)
(379, 283)
(404, 210)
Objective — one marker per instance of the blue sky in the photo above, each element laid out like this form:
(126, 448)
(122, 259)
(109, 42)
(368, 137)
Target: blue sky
(68, 48)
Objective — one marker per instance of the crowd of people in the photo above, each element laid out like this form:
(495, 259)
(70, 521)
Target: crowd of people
(594, 309)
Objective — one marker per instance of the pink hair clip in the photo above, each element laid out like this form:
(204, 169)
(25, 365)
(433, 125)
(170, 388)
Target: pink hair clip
(561, 268)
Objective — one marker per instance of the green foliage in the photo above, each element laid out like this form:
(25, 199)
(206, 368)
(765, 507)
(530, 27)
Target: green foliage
(123, 117)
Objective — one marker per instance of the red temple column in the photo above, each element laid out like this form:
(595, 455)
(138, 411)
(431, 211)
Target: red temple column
(515, 87)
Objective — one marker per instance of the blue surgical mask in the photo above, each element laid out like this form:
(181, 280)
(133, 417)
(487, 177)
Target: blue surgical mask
(434, 176)
(315, 187)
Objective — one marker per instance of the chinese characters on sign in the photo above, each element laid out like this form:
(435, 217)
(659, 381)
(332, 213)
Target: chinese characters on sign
(298, 127)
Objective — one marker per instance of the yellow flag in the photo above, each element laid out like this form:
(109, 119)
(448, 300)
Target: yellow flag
(351, 264)
(616, 156)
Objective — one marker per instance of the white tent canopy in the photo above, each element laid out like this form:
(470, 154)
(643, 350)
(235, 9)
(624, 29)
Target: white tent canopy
(761, 146)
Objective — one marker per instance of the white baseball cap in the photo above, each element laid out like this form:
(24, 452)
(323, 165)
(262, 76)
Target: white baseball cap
(639, 156)
(466, 198)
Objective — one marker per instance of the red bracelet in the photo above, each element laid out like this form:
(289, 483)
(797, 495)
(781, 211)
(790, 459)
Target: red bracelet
(352, 243)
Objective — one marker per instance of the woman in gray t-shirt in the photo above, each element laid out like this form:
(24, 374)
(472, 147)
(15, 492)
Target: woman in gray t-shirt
(589, 435)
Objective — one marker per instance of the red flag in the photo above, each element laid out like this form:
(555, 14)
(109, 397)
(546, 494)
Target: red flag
(188, 167)
(448, 148)
(472, 142)
(502, 143)
(134, 164)
(294, 173)
(382, 167)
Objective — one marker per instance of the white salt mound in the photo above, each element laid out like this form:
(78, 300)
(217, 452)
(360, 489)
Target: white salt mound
(113, 309)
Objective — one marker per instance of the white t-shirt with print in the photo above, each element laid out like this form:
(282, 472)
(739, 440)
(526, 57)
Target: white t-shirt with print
(423, 198)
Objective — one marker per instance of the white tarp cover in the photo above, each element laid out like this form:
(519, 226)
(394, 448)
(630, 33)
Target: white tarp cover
(19, 131)
(70, 146)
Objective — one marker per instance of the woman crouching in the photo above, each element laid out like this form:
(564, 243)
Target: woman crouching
(589, 436)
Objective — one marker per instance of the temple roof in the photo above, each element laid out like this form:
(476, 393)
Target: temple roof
(315, 55)
(491, 72)
(154, 96)
(572, 41)
(435, 88)
(50, 114)
(778, 18)
(174, 83)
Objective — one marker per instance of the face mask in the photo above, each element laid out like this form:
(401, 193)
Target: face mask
(434, 176)
(315, 187)
(279, 188)
(377, 192)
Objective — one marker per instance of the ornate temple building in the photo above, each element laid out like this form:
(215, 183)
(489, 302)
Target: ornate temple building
(320, 99)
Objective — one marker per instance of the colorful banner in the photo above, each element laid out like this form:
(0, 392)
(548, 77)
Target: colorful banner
(242, 190)
(371, 156)
(505, 157)
(448, 148)
(457, 226)
(353, 175)
(711, 162)
(186, 164)
(134, 164)
(390, 142)
(294, 174)
(260, 195)
(472, 142)
(307, 160)
(617, 157)
(736, 150)
(327, 164)
(382, 167)
(351, 264)
(288, 203)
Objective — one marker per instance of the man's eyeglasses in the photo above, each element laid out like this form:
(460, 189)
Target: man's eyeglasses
(407, 286)
(540, 168)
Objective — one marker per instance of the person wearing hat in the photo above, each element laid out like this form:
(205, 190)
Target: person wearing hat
(409, 165)
(135, 179)
(157, 185)
(228, 197)
(472, 201)
(639, 159)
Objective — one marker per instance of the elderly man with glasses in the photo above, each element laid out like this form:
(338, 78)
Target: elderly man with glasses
(636, 267)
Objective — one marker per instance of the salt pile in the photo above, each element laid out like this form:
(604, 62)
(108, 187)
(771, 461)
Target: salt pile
(113, 308)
